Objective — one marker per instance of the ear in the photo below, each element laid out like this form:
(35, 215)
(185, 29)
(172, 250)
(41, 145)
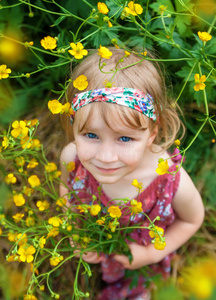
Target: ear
(152, 136)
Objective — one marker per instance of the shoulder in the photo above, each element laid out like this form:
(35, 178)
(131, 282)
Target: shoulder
(68, 153)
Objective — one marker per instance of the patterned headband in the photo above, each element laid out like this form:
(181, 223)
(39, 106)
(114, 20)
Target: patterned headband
(128, 97)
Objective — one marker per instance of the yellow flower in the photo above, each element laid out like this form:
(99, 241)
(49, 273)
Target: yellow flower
(162, 8)
(61, 201)
(66, 108)
(42, 205)
(4, 72)
(29, 297)
(30, 221)
(19, 200)
(103, 9)
(127, 53)
(55, 260)
(80, 82)
(114, 211)
(21, 239)
(78, 52)
(55, 221)
(109, 236)
(12, 236)
(86, 239)
(70, 166)
(20, 161)
(19, 128)
(177, 143)
(0, 231)
(50, 167)
(48, 42)
(133, 8)
(83, 208)
(32, 164)
(26, 142)
(42, 242)
(55, 106)
(199, 82)
(199, 279)
(10, 178)
(34, 181)
(104, 52)
(159, 244)
(53, 232)
(154, 233)
(137, 184)
(26, 253)
(163, 167)
(136, 207)
(5, 142)
(18, 217)
(110, 24)
(204, 36)
(27, 191)
(36, 144)
(95, 209)
(101, 221)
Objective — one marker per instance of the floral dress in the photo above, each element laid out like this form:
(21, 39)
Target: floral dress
(156, 201)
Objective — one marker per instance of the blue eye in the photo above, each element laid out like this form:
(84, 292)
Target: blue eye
(91, 135)
(125, 139)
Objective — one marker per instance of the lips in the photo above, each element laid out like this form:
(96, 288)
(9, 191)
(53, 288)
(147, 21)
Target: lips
(106, 170)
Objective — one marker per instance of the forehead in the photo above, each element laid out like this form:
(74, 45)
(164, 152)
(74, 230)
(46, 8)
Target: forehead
(115, 116)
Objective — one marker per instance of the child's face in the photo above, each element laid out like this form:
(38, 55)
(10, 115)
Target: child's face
(111, 155)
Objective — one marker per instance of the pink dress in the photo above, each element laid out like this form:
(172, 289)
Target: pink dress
(156, 201)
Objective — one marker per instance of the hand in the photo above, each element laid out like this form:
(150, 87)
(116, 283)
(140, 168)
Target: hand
(92, 257)
(139, 254)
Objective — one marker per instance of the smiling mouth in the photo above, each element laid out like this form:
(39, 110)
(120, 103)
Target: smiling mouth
(107, 170)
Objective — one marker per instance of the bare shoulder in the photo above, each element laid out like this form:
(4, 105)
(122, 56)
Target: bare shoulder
(68, 153)
(187, 202)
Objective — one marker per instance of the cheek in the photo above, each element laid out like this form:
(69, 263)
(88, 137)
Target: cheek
(131, 154)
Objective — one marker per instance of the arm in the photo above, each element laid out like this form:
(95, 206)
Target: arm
(189, 211)
(68, 154)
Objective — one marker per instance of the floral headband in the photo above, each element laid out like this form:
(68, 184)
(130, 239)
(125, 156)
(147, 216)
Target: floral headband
(128, 97)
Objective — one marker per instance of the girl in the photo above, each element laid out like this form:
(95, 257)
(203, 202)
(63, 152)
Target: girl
(117, 135)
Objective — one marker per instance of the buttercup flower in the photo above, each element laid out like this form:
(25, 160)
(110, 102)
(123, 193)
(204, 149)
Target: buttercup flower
(159, 244)
(48, 42)
(55, 221)
(21, 238)
(20, 161)
(29, 297)
(61, 201)
(4, 72)
(133, 8)
(95, 209)
(104, 52)
(50, 167)
(70, 166)
(103, 9)
(55, 106)
(137, 184)
(66, 108)
(80, 82)
(163, 167)
(177, 143)
(5, 142)
(32, 164)
(199, 82)
(26, 253)
(42, 205)
(34, 181)
(154, 233)
(0, 231)
(53, 232)
(204, 36)
(12, 236)
(36, 144)
(136, 207)
(18, 217)
(101, 221)
(30, 221)
(19, 200)
(42, 242)
(55, 260)
(114, 211)
(19, 128)
(10, 178)
(78, 50)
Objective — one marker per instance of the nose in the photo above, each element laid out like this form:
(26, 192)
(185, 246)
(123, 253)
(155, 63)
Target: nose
(106, 153)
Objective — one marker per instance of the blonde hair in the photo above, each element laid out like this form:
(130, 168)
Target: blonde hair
(133, 72)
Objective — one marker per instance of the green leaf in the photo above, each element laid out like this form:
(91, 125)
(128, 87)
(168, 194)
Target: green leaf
(58, 21)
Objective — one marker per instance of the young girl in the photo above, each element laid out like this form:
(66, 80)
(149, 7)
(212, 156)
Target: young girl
(117, 135)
